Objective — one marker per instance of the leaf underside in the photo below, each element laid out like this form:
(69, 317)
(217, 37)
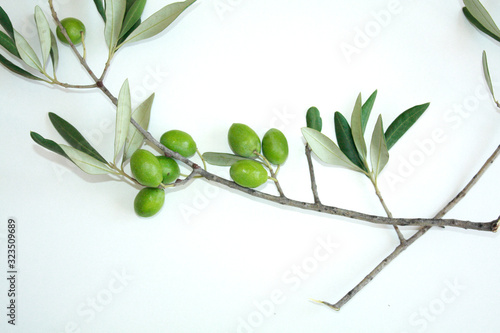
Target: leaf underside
(222, 159)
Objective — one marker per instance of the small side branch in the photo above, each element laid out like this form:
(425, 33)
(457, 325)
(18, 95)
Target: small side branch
(314, 187)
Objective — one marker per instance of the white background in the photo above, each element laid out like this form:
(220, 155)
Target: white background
(214, 260)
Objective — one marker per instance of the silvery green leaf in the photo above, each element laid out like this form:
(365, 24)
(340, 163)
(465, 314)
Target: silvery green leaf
(26, 52)
(222, 159)
(115, 12)
(477, 10)
(158, 22)
(134, 138)
(327, 150)
(357, 128)
(86, 162)
(44, 34)
(379, 154)
(487, 76)
(123, 114)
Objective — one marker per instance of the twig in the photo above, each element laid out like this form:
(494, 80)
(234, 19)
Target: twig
(482, 226)
(314, 187)
(416, 236)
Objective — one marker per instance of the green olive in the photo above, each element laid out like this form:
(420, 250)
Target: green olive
(180, 142)
(275, 146)
(248, 173)
(243, 140)
(170, 169)
(74, 28)
(149, 201)
(146, 168)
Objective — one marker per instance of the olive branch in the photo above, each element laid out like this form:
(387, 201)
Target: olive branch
(124, 25)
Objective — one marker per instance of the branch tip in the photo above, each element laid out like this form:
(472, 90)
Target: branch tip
(331, 306)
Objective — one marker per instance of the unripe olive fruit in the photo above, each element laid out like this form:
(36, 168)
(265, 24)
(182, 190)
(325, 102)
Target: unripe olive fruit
(248, 173)
(169, 168)
(74, 28)
(275, 146)
(146, 168)
(180, 142)
(243, 140)
(149, 201)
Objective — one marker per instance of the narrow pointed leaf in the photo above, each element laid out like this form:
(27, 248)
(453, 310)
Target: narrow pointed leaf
(357, 128)
(18, 70)
(487, 76)
(313, 119)
(327, 150)
(366, 109)
(26, 52)
(222, 159)
(346, 141)
(73, 137)
(134, 138)
(86, 162)
(379, 154)
(403, 123)
(44, 34)
(115, 12)
(123, 114)
(478, 25)
(6, 23)
(158, 22)
(8, 44)
(54, 51)
(100, 8)
(480, 13)
(133, 15)
(48, 144)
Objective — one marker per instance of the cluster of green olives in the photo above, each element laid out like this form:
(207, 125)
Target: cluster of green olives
(156, 171)
(244, 142)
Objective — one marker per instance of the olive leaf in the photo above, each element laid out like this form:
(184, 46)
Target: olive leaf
(135, 139)
(157, 22)
(8, 44)
(132, 16)
(327, 150)
(475, 12)
(86, 162)
(73, 137)
(100, 8)
(223, 159)
(346, 141)
(123, 114)
(403, 123)
(6, 23)
(379, 154)
(48, 144)
(54, 51)
(115, 12)
(357, 128)
(26, 52)
(313, 119)
(366, 109)
(18, 70)
(44, 34)
(487, 76)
